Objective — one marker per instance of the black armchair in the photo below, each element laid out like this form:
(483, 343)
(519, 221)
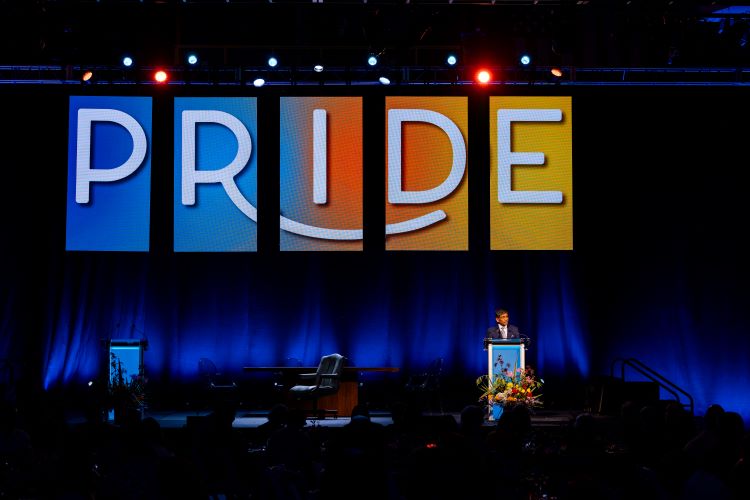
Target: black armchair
(325, 381)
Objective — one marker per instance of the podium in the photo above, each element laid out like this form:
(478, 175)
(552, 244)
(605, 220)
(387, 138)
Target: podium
(504, 355)
(129, 354)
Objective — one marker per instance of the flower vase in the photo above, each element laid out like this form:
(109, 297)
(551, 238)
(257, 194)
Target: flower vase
(497, 412)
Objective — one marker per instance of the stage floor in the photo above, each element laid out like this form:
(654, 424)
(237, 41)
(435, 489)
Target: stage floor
(249, 419)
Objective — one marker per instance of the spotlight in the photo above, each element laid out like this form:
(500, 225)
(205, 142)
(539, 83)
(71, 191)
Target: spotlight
(372, 60)
(127, 61)
(318, 68)
(384, 80)
(451, 60)
(160, 76)
(87, 75)
(259, 82)
(192, 59)
(556, 72)
(525, 59)
(273, 62)
(91, 382)
(483, 76)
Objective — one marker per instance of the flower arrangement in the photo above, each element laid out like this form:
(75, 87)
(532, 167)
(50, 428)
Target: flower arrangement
(511, 386)
(126, 391)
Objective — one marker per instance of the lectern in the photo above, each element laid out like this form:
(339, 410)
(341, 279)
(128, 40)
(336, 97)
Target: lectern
(129, 353)
(504, 355)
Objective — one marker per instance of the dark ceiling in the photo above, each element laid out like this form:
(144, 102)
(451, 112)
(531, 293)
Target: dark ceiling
(603, 33)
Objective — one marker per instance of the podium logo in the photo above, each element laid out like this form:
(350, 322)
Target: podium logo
(109, 173)
(320, 173)
(427, 190)
(215, 175)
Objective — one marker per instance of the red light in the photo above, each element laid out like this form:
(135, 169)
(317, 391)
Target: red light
(483, 76)
(160, 76)
(431, 446)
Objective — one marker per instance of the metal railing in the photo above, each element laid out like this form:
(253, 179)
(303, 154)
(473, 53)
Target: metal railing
(653, 376)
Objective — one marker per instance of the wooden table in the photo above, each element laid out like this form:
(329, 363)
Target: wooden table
(347, 396)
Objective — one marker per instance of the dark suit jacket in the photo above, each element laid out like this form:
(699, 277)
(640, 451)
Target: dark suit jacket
(493, 332)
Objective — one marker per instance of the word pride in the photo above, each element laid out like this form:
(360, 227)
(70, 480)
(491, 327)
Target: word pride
(321, 143)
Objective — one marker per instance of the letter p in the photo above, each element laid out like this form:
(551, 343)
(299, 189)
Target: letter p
(85, 175)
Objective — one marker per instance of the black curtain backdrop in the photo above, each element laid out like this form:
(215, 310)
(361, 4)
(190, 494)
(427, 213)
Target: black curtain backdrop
(659, 271)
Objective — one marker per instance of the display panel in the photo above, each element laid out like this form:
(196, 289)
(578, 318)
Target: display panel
(426, 182)
(215, 175)
(109, 173)
(321, 173)
(531, 175)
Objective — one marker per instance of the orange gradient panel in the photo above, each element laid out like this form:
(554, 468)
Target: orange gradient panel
(342, 209)
(536, 225)
(427, 162)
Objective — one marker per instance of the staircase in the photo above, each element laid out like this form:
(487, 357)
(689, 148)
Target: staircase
(616, 389)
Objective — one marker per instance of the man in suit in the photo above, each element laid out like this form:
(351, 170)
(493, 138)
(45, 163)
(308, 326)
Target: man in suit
(503, 330)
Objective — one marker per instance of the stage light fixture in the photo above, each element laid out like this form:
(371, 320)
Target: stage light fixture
(259, 82)
(192, 59)
(318, 68)
(372, 60)
(160, 76)
(87, 76)
(127, 61)
(451, 60)
(384, 80)
(525, 59)
(273, 62)
(483, 76)
(556, 72)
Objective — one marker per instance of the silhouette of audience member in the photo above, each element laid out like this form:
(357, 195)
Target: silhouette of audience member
(679, 426)
(356, 458)
(584, 439)
(650, 442)
(714, 456)
(472, 438)
(506, 447)
(708, 438)
(582, 456)
(290, 454)
(739, 475)
(180, 479)
(277, 418)
(16, 453)
(468, 451)
(363, 436)
(217, 449)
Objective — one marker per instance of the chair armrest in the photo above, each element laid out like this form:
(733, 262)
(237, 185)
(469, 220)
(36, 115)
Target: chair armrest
(307, 376)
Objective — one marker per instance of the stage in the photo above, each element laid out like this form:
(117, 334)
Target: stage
(251, 419)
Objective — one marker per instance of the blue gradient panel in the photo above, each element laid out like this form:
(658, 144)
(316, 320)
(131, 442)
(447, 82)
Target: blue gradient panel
(215, 145)
(109, 173)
